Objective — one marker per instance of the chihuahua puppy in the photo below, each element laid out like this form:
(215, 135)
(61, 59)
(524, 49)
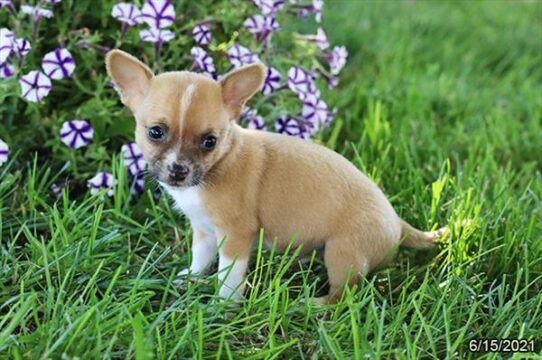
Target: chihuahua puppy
(231, 182)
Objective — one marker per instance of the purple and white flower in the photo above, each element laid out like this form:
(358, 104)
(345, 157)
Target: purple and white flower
(272, 81)
(53, 2)
(76, 133)
(137, 183)
(58, 64)
(317, 6)
(6, 44)
(133, 158)
(301, 82)
(57, 190)
(4, 152)
(7, 4)
(290, 126)
(257, 122)
(6, 71)
(240, 55)
(22, 46)
(155, 35)
(320, 39)
(337, 59)
(332, 81)
(261, 26)
(35, 86)
(127, 13)
(248, 112)
(202, 34)
(36, 12)
(202, 61)
(315, 112)
(158, 13)
(269, 7)
(102, 180)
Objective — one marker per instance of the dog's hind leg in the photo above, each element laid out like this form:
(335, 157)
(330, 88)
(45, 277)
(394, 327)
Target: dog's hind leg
(345, 265)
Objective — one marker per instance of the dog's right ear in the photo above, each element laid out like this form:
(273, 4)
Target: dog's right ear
(130, 75)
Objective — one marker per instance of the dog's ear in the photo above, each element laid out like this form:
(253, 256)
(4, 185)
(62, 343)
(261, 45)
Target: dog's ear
(130, 75)
(240, 85)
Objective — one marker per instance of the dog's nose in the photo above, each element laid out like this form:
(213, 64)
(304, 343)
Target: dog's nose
(177, 171)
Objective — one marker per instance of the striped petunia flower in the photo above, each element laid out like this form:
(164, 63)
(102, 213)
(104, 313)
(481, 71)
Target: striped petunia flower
(337, 59)
(4, 152)
(7, 4)
(102, 180)
(261, 26)
(6, 44)
(240, 55)
(320, 39)
(290, 126)
(317, 6)
(133, 158)
(202, 34)
(57, 190)
(155, 35)
(158, 14)
(36, 12)
(269, 7)
(35, 86)
(76, 133)
(257, 122)
(6, 71)
(315, 112)
(301, 82)
(126, 13)
(58, 64)
(202, 61)
(137, 183)
(272, 81)
(251, 118)
(22, 46)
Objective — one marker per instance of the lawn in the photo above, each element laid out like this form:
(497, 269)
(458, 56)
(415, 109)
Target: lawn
(440, 104)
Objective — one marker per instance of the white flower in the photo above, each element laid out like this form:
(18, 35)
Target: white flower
(36, 11)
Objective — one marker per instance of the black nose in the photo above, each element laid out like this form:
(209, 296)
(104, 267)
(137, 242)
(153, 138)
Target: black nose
(177, 171)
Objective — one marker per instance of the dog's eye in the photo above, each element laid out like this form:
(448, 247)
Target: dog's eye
(208, 142)
(156, 133)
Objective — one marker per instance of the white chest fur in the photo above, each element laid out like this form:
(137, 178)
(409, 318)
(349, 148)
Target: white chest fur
(188, 200)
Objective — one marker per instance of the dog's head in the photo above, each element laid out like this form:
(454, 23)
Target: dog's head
(183, 120)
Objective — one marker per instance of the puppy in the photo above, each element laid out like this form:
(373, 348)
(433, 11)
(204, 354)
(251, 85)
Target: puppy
(231, 182)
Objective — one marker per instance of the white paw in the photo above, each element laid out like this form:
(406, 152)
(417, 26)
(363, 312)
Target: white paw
(225, 293)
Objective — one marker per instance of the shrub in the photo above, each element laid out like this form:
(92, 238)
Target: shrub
(57, 101)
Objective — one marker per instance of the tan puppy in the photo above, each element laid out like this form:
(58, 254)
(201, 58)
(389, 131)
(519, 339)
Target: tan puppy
(231, 182)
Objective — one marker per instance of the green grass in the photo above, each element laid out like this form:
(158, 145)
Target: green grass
(441, 105)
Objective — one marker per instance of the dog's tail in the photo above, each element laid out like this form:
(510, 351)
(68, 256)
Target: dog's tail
(418, 239)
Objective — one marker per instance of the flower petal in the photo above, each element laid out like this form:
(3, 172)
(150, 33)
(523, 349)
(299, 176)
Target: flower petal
(35, 86)
(202, 34)
(133, 158)
(158, 13)
(127, 13)
(6, 43)
(58, 64)
(76, 133)
(4, 152)
(102, 180)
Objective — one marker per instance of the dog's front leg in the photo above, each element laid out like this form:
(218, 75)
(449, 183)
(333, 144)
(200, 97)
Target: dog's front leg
(233, 258)
(204, 248)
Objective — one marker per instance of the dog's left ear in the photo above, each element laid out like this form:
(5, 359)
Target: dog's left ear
(240, 85)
